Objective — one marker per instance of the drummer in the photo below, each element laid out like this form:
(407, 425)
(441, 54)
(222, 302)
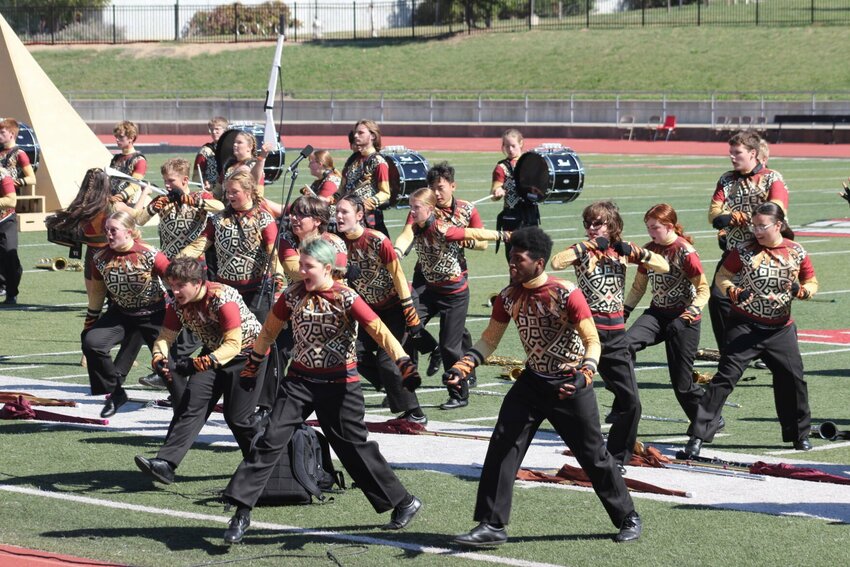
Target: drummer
(518, 211)
(205, 168)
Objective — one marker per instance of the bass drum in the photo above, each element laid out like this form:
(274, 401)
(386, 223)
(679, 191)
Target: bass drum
(408, 172)
(224, 150)
(549, 175)
(29, 143)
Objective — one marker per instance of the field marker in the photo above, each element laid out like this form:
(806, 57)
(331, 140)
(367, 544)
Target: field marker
(368, 540)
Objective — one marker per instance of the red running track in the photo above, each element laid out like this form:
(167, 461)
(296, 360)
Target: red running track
(13, 556)
(581, 146)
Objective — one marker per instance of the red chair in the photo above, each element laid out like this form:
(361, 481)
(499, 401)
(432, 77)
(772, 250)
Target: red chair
(669, 126)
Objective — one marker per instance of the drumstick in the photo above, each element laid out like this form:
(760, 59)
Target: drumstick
(111, 172)
(482, 199)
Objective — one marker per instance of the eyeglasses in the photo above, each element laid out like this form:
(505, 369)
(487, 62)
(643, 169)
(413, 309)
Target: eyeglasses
(299, 216)
(594, 224)
(762, 227)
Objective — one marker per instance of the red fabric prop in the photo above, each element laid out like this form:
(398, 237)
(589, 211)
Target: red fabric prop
(35, 400)
(798, 473)
(21, 409)
(575, 475)
(397, 426)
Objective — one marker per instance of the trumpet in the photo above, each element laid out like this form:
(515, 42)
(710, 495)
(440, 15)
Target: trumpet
(53, 264)
(511, 373)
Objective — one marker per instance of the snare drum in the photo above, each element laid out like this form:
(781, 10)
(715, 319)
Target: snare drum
(408, 172)
(273, 165)
(549, 174)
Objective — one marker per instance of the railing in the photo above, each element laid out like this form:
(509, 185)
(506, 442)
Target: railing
(364, 19)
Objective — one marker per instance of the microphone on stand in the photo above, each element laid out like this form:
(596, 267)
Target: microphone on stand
(308, 149)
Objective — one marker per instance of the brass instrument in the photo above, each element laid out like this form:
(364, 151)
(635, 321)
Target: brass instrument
(74, 266)
(829, 430)
(53, 264)
(494, 360)
(511, 373)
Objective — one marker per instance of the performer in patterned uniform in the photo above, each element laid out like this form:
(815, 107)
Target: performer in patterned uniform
(441, 179)
(205, 168)
(309, 217)
(327, 177)
(556, 329)
(367, 174)
(517, 211)
(129, 272)
(738, 193)
(217, 314)
(182, 217)
(10, 264)
(439, 245)
(678, 298)
(12, 158)
(600, 266)
(127, 161)
(323, 377)
(761, 279)
(382, 284)
(243, 236)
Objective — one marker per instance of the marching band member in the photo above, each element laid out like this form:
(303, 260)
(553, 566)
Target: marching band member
(600, 266)
(678, 298)
(557, 332)
(217, 314)
(127, 161)
(10, 264)
(737, 195)
(327, 177)
(441, 178)
(322, 311)
(382, 284)
(761, 279)
(13, 159)
(205, 168)
(129, 272)
(367, 174)
(517, 211)
(439, 247)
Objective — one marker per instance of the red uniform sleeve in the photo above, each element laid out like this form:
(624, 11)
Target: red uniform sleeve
(270, 234)
(200, 162)
(475, 219)
(692, 266)
(7, 186)
(409, 219)
(361, 311)
(499, 173)
(778, 192)
(718, 195)
(577, 308)
(455, 234)
(171, 321)
(206, 195)
(733, 262)
(807, 270)
(160, 264)
(23, 159)
(229, 317)
(387, 252)
(281, 309)
(209, 231)
(141, 167)
(499, 314)
(328, 189)
(382, 173)
(286, 250)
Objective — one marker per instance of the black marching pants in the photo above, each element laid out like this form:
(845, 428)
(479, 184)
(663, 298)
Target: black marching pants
(202, 394)
(399, 398)
(452, 309)
(10, 264)
(778, 348)
(339, 408)
(681, 345)
(106, 376)
(576, 419)
(719, 309)
(618, 374)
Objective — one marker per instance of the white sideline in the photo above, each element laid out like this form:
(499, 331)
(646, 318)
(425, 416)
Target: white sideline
(281, 527)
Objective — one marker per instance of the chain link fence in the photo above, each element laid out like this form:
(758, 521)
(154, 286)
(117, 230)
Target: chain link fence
(314, 20)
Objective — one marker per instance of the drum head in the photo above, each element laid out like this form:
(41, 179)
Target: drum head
(27, 141)
(408, 172)
(532, 177)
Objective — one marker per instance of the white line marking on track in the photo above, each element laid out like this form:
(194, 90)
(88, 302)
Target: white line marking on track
(4, 369)
(281, 527)
(474, 419)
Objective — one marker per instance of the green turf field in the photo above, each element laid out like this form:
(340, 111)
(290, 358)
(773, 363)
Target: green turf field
(549, 525)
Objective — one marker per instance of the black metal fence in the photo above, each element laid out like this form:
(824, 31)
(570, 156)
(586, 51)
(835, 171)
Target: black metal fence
(311, 20)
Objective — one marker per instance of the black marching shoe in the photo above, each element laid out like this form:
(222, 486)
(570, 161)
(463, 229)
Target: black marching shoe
(115, 401)
(629, 529)
(435, 362)
(454, 403)
(238, 526)
(483, 535)
(412, 417)
(11, 300)
(693, 447)
(159, 469)
(803, 445)
(403, 514)
(721, 423)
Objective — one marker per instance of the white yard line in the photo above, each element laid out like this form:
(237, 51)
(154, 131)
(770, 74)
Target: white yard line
(6, 369)
(415, 547)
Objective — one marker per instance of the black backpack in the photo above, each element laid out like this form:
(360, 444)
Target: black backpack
(305, 470)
